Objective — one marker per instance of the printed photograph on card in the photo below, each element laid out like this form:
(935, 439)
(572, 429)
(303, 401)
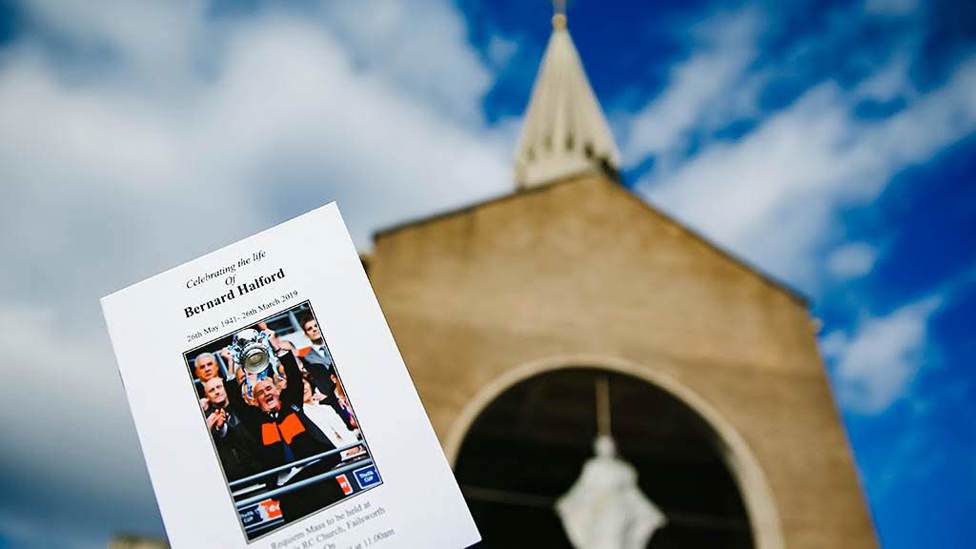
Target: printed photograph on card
(283, 427)
(272, 405)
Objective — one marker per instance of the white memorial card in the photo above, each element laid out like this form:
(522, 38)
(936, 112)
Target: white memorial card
(272, 405)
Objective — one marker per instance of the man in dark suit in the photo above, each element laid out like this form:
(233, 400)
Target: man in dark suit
(318, 364)
(235, 443)
(317, 356)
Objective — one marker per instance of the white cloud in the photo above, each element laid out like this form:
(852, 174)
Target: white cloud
(874, 364)
(156, 43)
(181, 144)
(895, 8)
(772, 195)
(419, 46)
(889, 82)
(501, 50)
(698, 89)
(68, 435)
(852, 260)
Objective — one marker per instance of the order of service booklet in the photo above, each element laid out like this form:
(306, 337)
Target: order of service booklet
(272, 405)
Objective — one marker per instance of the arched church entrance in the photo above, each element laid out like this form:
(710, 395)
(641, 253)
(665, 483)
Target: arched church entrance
(525, 448)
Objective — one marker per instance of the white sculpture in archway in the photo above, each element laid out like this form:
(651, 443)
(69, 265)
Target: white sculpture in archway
(605, 509)
(758, 498)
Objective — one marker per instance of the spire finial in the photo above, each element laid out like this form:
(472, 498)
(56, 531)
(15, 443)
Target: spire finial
(559, 14)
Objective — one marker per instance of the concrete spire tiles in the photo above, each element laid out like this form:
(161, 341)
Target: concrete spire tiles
(565, 132)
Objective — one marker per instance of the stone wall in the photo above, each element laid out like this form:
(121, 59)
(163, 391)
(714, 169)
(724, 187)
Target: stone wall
(583, 267)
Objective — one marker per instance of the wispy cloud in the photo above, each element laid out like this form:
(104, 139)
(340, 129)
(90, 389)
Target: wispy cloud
(851, 260)
(877, 360)
(699, 93)
(420, 48)
(897, 8)
(773, 195)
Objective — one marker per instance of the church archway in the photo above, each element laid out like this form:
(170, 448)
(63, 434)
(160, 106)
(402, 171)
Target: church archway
(520, 444)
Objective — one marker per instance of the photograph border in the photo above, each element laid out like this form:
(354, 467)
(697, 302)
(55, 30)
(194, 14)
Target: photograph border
(213, 445)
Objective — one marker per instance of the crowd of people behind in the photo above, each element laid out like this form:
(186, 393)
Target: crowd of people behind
(297, 410)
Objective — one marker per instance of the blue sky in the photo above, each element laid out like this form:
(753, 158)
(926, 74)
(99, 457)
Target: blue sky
(830, 144)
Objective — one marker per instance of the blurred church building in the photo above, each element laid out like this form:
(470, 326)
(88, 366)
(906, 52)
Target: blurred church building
(512, 313)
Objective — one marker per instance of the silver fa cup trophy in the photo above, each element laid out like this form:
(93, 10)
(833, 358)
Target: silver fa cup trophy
(252, 351)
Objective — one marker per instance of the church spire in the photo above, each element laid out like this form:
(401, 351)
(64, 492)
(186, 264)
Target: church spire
(564, 132)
